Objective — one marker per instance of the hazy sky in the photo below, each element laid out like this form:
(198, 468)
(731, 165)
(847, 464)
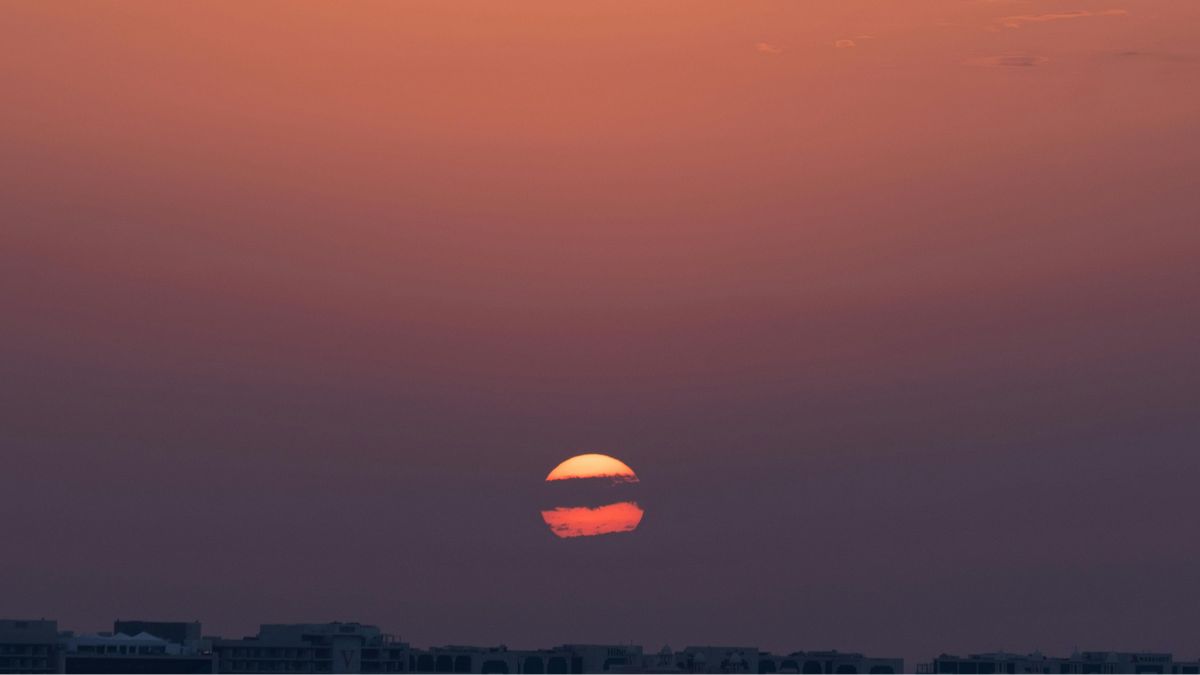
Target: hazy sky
(893, 306)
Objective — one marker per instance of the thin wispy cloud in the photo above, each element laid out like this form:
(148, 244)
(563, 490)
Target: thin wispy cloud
(1170, 57)
(767, 48)
(844, 43)
(1008, 61)
(1021, 20)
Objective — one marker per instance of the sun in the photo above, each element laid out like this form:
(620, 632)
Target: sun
(587, 512)
(593, 465)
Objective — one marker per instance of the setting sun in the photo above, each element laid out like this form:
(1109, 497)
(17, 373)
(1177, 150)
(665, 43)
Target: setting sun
(593, 465)
(589, 515)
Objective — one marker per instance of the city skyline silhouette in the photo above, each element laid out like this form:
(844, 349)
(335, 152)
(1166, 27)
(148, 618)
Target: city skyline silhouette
(139, 646)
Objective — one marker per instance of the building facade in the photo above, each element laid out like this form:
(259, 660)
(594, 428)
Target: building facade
(313, 648)
(1079, 662)
(828, 662)
(29, 646)
(131, 648)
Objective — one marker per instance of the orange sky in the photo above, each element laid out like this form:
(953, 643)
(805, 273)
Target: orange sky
(545, 168)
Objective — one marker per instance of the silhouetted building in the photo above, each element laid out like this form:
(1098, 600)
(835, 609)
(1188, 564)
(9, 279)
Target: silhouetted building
(179, 632)
(29, 646)
(603, 658)
(712, 659)
(996, 662)
(313, 648)
(1125, 662)
(138, 653)
(828, 662)
(462, 659)
(1080, 662)
(717, 660)
(337, 647)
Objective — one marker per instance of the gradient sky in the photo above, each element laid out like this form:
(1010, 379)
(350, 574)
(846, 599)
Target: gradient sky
(893, 306)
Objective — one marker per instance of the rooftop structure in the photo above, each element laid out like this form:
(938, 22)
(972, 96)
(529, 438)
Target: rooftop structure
(138, 652)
